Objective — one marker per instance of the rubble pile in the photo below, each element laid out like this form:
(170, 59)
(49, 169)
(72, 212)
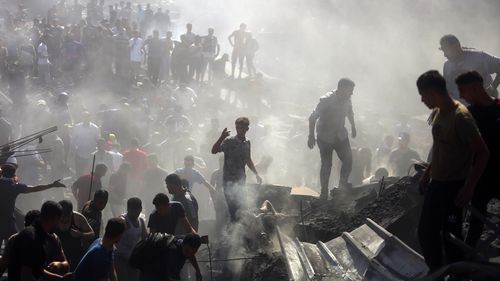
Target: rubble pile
(494, 217)
(331, 222)
(265, 267)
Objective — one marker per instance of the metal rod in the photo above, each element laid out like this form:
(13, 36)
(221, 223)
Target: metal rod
(302, 220)
(234, 259)
(30, 137)
(31, 154)
(30, 150)
(91, 177)
(210, 264)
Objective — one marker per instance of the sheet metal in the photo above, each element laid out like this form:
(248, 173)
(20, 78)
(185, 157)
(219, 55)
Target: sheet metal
(367, 253)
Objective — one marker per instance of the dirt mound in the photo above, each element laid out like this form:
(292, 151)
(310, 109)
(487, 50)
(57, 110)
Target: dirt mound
(330, 222)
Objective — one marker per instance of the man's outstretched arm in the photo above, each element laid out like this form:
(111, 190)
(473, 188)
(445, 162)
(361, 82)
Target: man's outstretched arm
(37, 188)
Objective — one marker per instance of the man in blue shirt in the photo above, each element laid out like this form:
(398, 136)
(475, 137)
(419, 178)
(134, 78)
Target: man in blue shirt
(97, 264)
(189, 173)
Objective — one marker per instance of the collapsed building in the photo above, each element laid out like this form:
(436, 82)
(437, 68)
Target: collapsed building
(367, 233)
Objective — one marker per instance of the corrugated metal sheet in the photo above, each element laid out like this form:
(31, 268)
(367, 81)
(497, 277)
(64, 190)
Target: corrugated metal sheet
(366, 253)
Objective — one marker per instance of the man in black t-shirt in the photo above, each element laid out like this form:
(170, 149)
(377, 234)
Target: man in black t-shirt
(211, 49)
(186, 198)
(237, 156)
(36, 251)
(167, 215)
(486, 112)
(169, 265)
(92, 211)
(155, 50)
(30, 219)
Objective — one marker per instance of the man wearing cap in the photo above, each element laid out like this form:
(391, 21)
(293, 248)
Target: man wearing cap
(330, 114)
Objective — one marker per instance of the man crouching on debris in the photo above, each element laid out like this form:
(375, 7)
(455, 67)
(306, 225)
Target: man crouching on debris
(450, 179)
(236, 156)
(331, 111)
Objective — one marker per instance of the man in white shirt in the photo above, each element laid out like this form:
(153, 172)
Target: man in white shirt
(185, 97)
(43, 61)
(83, 141)
(461, 60)
(136, 44)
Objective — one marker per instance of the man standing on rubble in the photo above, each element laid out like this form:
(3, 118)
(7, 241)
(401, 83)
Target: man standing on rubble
(331, 111)
(486, 112)
(236, 157)
(452, 175)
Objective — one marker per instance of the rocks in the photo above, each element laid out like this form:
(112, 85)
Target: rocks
(265, 267)
(331, 222)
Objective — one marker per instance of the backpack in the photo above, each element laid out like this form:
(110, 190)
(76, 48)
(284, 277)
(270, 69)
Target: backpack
(150, 249)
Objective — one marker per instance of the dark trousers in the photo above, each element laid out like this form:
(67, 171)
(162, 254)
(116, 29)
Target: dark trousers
(343, 150)
(154, 65)
(440, 216)
(487, 189)
(147, 276)
(82, 165)
(234, 199)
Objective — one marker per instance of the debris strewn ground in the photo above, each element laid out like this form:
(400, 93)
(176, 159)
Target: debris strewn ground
(331, 221)
(267, 267)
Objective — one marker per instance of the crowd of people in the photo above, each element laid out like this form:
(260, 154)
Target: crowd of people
(462, 161)
(139, 115)
(115, 44)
